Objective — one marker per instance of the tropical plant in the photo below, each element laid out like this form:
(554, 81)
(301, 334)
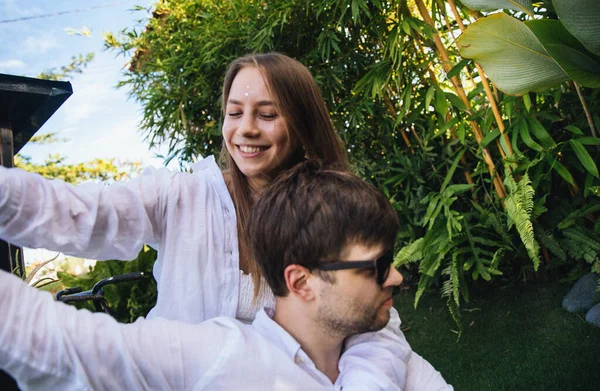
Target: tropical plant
(478, 176)
(76, 66)
(55, 167)
(127, 301)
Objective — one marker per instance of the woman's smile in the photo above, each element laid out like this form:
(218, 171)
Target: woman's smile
(251, 150)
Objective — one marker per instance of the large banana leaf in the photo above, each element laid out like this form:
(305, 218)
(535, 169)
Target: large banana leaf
(581, 65)
(582, 19)
(492, 5)
(511, 55)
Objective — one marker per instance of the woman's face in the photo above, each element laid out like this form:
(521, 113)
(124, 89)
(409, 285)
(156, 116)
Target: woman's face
(254, 131)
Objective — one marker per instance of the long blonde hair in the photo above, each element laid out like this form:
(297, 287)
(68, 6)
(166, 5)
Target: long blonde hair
(300, 103)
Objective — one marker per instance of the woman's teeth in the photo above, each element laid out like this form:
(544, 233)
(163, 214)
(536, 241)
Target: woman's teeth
(251, 149)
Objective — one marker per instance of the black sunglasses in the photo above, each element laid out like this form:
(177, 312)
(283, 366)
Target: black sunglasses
(382, 265)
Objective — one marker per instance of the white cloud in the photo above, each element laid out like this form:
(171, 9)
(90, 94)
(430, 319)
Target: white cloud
(40, 44)
(12, 8)
(79, 112)
(12, 64)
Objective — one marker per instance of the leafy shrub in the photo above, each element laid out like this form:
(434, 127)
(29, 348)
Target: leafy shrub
(127, 301)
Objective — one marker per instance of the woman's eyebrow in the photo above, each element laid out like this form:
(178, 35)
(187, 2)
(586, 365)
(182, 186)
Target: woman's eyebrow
(259, 103)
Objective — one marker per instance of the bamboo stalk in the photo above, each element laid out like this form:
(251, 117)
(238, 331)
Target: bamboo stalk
(463, 158)
(488, 90)
(392, 111)
(412, 130)
(586, 109)
(446, 64)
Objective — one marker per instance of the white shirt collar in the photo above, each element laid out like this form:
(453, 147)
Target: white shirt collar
(271, 330)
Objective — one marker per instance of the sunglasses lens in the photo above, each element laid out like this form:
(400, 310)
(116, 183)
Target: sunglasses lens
(384, 264)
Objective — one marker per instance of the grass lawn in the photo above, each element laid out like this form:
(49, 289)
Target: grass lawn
(514, 338)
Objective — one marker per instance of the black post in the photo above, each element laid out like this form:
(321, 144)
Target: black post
(11, 257)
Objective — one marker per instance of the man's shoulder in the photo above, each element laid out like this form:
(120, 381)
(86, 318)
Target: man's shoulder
(227, 327)
(215, 331)
(219, 322)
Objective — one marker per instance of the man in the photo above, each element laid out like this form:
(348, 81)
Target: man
(323, 240)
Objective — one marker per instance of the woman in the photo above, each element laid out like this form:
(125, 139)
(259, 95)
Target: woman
(274, 117)
(193, 220)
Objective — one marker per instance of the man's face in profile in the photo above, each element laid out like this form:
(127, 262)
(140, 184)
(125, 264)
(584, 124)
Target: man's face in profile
(355, 303)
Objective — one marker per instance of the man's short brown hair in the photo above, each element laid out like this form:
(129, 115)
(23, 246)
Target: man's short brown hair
(309, 214)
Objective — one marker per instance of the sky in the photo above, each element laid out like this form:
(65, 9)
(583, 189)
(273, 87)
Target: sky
(98, 120)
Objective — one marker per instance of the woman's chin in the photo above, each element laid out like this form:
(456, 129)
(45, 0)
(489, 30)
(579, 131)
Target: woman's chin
(256, 178)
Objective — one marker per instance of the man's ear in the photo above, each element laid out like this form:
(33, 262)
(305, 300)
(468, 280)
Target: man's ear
(296, 280)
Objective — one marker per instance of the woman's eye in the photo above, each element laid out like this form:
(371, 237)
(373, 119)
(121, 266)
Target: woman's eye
(268, 116)
(234, 114)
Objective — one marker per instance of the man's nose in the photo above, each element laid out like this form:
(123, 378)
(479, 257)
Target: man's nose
(394, 278)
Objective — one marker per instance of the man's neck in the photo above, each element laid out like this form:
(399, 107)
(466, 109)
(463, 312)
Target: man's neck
(323, 348)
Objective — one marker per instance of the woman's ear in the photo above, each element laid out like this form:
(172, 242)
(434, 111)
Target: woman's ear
(296, 280)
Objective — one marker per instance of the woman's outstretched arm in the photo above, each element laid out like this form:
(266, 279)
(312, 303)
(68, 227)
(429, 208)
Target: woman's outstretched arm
(46, 345)
(90, 220)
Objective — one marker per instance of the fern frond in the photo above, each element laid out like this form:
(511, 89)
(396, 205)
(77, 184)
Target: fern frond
(496, 261)
(549, 241)
(455, 281)
(496, 223)
(577, 214)
(446, 289)
(412, 252)
(581, 244)
(424, 282)
(518, 205)
(453, 309)
(435, 247)
(582, 237)
(524, 195)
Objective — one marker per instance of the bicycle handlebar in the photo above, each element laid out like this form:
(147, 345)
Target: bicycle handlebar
(68, 291)
(96, 294)
(117, 279)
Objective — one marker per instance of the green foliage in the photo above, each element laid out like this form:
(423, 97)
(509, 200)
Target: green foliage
(409, 253)
(76, 66)
(128, 301)
(492, 5)
(581, 17)
(502, 44)
(102, 170)
(490, 39)
(409, 129)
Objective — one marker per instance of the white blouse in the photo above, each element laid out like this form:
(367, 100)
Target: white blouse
(188, 217)
(248, 306)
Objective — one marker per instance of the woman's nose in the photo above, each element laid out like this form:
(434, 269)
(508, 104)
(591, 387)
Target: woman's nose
(248, 127)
